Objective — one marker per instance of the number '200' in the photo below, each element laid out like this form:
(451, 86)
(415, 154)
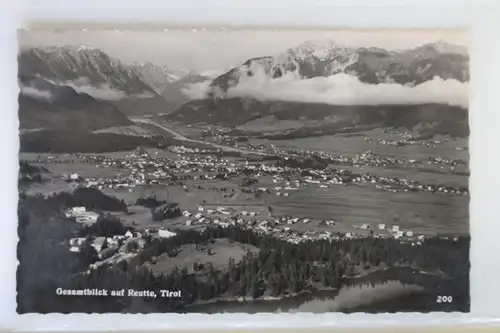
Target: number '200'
(444, 299)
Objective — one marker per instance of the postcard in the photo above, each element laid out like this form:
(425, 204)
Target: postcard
(243, 171)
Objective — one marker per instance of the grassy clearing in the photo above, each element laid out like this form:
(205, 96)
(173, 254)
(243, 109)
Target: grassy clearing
(221, 251)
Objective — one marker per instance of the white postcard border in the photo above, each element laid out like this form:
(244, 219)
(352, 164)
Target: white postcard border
(481, 18)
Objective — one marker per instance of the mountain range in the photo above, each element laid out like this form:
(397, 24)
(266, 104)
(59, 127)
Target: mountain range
(44, 105)
(82, 66)
(135, 89)
(370, 65)
(86, 88)
(169, 83)
(313, 60)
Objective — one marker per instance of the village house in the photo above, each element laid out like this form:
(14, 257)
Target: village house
(75, 244)
(81, 215)
(165, 233)
(98, 243)
(72, 212)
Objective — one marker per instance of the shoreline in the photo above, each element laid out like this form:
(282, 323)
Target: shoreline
(248, 299)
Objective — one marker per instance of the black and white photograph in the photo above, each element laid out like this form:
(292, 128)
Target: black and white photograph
(237, 170)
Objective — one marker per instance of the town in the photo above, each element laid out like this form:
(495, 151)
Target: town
(186, 170)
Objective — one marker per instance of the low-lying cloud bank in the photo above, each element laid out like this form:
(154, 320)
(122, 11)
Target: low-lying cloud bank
(36, 93)
(341, 89)
(196, 90)
(102, 91)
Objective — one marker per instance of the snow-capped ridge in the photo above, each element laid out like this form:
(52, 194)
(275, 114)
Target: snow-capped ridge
(372, 65)
(71, 63)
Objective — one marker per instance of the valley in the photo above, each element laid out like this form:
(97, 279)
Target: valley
(281, 183)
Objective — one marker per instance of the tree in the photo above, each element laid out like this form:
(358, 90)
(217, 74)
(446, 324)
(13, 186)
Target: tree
(132, 246)
(88, 254)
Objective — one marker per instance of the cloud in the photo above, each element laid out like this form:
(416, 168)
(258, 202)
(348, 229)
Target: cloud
(35, 93)
(344, 89)
(101, 91)
(144, 95)
(212, 73)
(196, 90)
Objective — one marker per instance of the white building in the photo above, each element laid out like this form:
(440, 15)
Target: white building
(164, 233)
(75, 244)
(409, 233)
(72, 212)
(74, 249)
(381, 226)
(129, 234)
(87, 217)
(395, 228)
(98, 243)
(74, 176)
(81, 215)
(77, 241)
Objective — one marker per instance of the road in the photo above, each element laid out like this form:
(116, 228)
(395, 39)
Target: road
(213, 144)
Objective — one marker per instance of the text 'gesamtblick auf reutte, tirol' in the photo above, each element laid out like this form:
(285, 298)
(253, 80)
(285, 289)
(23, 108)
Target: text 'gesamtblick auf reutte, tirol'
(119, 292)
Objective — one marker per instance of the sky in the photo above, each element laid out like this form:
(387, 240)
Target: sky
(207, 50)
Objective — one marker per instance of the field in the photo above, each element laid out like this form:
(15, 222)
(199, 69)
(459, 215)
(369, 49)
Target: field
(137, 129)
(221, 251)
(349, 145)
(271, 124)
(346, 205)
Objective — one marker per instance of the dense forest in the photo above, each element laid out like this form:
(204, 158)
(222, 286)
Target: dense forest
(66, 141)
(27, 168)
(29, 173)
(90, 198)
(279, 268)
(106, 226)
(43, 251)
(149, 202)
(71, 141)
(167, 211)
